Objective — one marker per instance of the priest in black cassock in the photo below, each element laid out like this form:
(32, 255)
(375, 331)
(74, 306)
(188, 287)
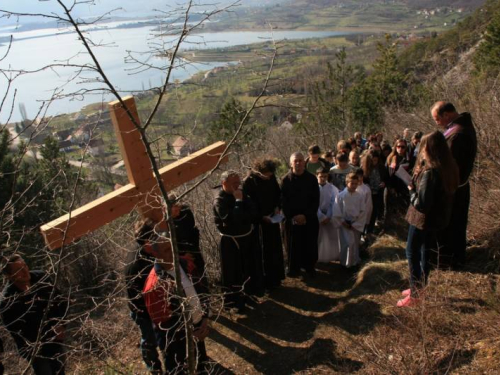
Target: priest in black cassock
(263, 189)
(300, 202)
(234, 215)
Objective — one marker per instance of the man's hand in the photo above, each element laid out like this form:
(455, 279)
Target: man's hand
(299, 219)
(238, 194)
(382, 185)
(325, 221)
(346, 225)
(202, 331)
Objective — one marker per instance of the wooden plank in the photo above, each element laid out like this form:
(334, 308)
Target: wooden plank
(117, 203)
(129, 140)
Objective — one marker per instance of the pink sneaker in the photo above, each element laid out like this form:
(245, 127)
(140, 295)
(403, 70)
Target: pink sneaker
(406, 292)
(407, 301)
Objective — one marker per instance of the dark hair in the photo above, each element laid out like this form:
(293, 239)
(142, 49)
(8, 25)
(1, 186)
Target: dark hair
(322, 170)
(328, 154)
(264, 165)
(145, 232)
(314, 150)
(352, 176)
(394, 152)
(342, 144)
(359, 172)
(446, 108)
(417, 135)
(439, 157)
(7, 261)
(341, 157)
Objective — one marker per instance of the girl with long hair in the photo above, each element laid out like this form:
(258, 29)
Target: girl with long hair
(435, 180)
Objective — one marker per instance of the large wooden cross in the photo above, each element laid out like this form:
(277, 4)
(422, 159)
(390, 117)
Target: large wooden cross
(141, 193)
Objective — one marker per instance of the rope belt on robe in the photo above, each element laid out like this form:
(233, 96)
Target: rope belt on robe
(234, 237)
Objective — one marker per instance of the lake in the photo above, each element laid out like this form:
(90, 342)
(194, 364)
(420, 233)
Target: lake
(118, 52)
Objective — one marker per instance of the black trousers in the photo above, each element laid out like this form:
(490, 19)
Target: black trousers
(302, 245)
(453, 239)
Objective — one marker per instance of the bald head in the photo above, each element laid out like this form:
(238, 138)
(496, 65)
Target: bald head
(443, 113)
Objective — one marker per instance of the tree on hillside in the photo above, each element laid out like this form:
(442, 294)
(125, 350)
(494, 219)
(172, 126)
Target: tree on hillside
(329, 97)
(487, 58)
(387, 79)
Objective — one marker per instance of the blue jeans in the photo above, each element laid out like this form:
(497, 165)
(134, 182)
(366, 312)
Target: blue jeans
(418, 245)
(148, 342)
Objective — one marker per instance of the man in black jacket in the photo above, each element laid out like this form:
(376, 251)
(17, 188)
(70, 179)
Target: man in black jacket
(461, 138)
(300, 203)
(136, 273)
(33, 312)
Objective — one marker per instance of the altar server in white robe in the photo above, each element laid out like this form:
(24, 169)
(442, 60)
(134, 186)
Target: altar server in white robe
(366, 192)
(349, 212)
(328, 239)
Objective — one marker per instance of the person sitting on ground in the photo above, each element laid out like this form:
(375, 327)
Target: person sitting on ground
(136, 273)
(32, 309)
(314, 161)
(435, 180)
(349, 215)
(165, 307)
(328, 239)
(339, 172)
(263, 189)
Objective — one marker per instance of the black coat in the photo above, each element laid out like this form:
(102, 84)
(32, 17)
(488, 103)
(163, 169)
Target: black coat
(300, 196)
(22, 312)
(136, 274)
(462, 141)
(233, 217)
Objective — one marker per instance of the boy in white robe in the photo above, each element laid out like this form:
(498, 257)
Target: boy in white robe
(365, 191)
(349, 212)
(328, 238)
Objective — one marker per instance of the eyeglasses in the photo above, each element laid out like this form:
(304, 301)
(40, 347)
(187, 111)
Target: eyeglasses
(401, 146)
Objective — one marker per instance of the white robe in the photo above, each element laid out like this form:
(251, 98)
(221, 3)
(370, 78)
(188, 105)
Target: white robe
(350, 207)
(328, 239)
(366, 192)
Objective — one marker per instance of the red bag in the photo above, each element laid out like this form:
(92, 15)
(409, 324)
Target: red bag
(156, 293)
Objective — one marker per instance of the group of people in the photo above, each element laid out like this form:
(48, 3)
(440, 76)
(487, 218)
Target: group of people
(319, 211)
(328, 203)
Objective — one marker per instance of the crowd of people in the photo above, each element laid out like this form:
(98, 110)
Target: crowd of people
(320, 211)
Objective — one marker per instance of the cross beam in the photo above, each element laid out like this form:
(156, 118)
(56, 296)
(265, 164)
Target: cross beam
(141, 193)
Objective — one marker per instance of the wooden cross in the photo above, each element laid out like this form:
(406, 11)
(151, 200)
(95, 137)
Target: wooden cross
(141, 193)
